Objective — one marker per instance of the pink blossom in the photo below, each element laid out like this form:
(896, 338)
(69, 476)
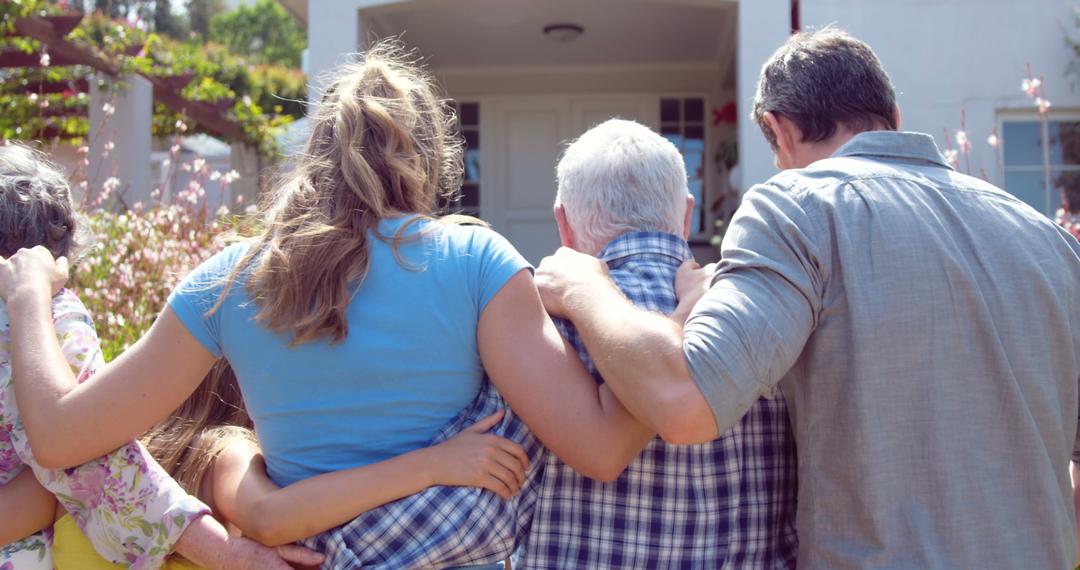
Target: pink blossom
(1031, 86)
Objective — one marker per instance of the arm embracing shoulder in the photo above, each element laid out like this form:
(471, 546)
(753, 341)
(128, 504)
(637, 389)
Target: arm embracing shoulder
(544, 381)
(751, 326)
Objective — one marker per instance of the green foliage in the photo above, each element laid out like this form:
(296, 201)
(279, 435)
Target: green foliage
(200, 13)
(265, 97)
(264, 32)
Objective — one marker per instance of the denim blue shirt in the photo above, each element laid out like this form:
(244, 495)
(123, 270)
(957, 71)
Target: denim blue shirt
(925, 328)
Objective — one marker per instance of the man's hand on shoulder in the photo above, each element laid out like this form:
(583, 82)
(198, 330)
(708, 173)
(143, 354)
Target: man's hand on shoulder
(692, 281)
(563, 276)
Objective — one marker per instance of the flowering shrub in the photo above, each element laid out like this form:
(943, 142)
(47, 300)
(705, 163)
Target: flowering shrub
(139, 256)
(136, 261)
(1070, 221)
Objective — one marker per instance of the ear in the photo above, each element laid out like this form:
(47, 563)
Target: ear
(689, 217)
(787, 134)
(896, 116)
(566, 235)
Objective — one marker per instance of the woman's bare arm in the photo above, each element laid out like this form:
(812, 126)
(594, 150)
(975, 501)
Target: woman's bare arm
(127, 396)
(245, 495)
(546, 384)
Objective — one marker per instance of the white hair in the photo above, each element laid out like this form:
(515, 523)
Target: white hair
(618, 177)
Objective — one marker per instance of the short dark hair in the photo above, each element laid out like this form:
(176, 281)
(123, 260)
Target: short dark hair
(819, 80)
(35, 204)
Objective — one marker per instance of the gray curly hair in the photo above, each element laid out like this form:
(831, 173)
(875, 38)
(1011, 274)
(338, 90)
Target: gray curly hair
(35, 205)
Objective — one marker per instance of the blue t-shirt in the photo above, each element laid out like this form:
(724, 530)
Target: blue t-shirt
(410, 362)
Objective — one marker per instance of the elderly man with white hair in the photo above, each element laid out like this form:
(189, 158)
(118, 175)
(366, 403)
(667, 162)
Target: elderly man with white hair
(730, 502)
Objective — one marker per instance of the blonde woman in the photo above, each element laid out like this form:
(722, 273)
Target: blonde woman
(358, 325)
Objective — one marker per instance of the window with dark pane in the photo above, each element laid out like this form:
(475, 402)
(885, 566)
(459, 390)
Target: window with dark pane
(1022, 160)
(468, 200)
(682, 121)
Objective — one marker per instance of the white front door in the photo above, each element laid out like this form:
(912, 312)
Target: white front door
(526, 137)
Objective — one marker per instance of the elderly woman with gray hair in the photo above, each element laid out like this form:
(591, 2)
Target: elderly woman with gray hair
(125, 503)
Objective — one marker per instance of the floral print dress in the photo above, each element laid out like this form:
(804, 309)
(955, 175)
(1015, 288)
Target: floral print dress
(125, 503)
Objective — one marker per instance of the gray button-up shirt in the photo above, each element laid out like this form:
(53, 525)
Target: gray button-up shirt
(926, 328)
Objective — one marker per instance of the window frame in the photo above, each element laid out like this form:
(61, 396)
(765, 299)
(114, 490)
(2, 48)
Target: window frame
(1031, 116)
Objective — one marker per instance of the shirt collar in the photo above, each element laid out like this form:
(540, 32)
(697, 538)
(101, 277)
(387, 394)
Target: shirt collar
(894, 145)
(646, 243)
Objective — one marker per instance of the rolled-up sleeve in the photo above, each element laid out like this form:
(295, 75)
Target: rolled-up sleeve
(751, 326)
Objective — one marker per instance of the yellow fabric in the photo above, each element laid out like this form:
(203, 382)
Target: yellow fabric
(72, 551)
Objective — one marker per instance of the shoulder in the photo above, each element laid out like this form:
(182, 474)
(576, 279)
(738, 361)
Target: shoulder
(67, 302)
(237, 454)
(222, 263)
(471, 237)
(68, 310)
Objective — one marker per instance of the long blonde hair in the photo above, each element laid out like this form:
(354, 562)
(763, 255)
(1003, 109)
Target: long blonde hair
(189, 440)
(382, 144)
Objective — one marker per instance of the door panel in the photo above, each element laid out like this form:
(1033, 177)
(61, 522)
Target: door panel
(527, 135)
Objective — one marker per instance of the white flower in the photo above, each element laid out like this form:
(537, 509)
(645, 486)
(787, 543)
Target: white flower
(33, 97)
(174, 148)
(230, 177)
(109, 146)
(108, 109)
(993, 140)
(1043, 105)
(961, 139)
(198, 164)
(1030, 86)
(951, 156)
(215, 175)
(45, 59)
(251, 210)
(181, 125)
(247, 100)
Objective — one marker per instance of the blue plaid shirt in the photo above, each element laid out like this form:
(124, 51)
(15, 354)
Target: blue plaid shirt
(729, 503)
(725, 504)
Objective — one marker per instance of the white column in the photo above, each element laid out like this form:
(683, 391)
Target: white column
(121, 114)
(247, 162)
(763, 26)
(335, 31)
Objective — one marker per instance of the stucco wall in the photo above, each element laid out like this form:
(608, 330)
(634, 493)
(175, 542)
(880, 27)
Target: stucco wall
(943, 56)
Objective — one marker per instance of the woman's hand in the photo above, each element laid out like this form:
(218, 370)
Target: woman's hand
(474, 458)
(34, 271)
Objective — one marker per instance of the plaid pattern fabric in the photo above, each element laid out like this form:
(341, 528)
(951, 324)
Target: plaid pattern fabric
(442, 527)
(729, 503)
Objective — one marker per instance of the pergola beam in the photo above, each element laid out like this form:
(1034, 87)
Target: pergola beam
(60, 49)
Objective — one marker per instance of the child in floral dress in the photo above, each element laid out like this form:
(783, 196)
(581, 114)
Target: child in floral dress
(128, 507)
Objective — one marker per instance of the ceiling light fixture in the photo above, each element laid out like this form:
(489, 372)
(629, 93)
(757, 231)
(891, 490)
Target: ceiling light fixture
(563, 32)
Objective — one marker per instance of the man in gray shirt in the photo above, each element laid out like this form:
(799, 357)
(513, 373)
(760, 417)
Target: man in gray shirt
(924, 326)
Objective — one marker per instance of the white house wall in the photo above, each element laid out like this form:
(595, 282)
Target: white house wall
(943, 56)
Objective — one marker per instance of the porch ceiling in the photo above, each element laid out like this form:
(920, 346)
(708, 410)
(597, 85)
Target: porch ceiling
(495, 33)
